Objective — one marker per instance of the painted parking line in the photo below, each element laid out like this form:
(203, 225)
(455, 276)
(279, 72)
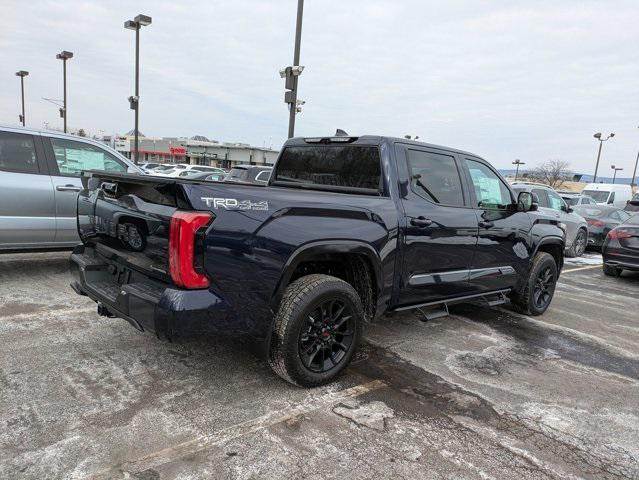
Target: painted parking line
(227, 434)
(581, 268)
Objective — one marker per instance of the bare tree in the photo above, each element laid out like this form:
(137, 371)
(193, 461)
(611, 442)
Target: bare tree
(553, 173)
(82, 133)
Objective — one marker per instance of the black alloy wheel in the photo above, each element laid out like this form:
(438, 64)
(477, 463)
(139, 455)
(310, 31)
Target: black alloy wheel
(544, 288)
(326, 336)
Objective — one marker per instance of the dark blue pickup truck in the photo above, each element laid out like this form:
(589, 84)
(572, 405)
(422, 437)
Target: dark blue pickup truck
(348, 229)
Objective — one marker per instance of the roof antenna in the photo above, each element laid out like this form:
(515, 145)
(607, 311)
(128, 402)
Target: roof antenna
(340, 133)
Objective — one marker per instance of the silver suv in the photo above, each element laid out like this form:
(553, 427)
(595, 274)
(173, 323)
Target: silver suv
(552, 204)
(39, 185)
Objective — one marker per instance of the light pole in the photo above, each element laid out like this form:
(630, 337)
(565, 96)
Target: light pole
(292, 73)
(616, 169)
(64, 56)
(22, 74)
(517, 163)
(601, 140)
(634, 173)
(134, 101)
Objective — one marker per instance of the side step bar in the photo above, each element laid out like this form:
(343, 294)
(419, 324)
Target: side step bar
(433, 310)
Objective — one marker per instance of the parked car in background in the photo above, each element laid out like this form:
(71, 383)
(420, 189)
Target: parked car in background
(39, 185)
(620, 250)
(178, 171)
(215, 176)
(601, 219)
(573, 199)
(633, 204)
(164, 169)
(609, 193)
(552, 204)
(147, 167)
(249, 174)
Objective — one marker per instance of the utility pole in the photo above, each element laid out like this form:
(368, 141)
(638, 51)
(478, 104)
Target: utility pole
(138, 22)
(22, 74)
(634, 173)
(517, 163)
(64, 56)
(598, 137)
(292, 73)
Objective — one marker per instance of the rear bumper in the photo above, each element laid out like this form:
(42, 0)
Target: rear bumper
(147, 304)
(619, 257)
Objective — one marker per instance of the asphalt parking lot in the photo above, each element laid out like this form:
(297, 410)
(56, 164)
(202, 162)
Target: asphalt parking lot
(484, 393)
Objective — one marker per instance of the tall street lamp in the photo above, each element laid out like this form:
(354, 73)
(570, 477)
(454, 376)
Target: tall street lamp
(601, 140)
(64, 56)
(22, 74)
(134, 101)
(616, 169)
(292, 73)
(634, 173)
(517, 163)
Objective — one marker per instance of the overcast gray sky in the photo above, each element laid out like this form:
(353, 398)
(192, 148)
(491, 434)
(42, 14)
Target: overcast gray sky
(503, 79)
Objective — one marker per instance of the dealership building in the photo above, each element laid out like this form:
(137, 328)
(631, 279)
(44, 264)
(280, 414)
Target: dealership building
(196, 150)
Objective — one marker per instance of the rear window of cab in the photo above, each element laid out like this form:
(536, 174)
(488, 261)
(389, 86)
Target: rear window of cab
(333, 167)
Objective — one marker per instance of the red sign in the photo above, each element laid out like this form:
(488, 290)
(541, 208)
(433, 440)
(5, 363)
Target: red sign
(177, 150)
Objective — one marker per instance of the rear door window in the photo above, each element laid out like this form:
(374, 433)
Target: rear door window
(73, 157)
(18, 153)
(435, 177)
(337, 166)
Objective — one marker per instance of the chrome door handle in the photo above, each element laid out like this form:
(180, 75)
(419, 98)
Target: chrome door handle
(421, 222)
(484, 224)
(67, 188)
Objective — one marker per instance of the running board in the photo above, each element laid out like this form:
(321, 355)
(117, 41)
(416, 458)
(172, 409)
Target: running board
(439, 309)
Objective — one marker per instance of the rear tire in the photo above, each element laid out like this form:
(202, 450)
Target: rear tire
(537, 293)
(317, 329)
(611, 271)
(579, 244)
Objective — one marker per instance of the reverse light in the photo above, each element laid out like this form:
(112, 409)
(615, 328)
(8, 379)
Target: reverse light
(617, 234)
(182, 242)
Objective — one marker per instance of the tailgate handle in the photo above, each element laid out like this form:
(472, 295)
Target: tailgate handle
(110, 188)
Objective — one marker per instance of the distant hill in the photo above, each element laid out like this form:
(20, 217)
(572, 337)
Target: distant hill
(584, 178)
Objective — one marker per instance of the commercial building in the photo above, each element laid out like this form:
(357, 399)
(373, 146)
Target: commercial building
(196, 150)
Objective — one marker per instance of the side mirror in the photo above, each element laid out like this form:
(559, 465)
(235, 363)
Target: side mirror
(527, 202)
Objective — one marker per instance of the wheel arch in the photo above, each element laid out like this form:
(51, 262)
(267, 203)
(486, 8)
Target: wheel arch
(328, 249)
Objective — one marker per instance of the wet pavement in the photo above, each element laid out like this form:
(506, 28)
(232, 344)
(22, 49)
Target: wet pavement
(483, 393)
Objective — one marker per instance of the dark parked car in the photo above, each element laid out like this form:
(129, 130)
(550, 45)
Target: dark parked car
(249, 174)
(620, 250)
(601, 219)
(348, 229)
(633, 204)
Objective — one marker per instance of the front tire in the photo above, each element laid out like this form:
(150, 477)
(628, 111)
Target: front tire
(317, 329)
(537, 293)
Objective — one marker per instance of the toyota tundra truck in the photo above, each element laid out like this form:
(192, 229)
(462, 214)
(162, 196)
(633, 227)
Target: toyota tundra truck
(346, 231)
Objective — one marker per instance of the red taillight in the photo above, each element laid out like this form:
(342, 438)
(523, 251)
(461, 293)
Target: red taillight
(617, 234)
(595, 223)
(182, 238)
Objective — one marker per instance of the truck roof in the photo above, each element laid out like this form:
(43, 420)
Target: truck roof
(375, 140)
